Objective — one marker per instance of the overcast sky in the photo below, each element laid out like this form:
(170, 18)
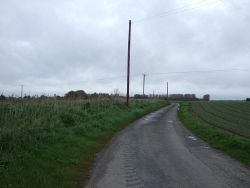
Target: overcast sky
(53, 46)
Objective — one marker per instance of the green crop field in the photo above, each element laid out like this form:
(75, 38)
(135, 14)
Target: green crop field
(230, 116)
(225, 125)
(53, 143)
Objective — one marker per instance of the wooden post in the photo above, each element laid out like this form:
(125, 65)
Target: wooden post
(128, 70)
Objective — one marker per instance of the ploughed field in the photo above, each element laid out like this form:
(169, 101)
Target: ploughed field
(224, 125)
(227, 115)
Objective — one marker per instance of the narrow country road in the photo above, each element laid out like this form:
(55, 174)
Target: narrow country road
(157, 151)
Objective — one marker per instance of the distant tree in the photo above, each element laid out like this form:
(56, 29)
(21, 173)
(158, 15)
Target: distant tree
(105, 95)
(248, 99)
(80, 94)
(43, 97)
(2, 97)
(99, 95)
(183, 97)
(139, 96)
(70, 94)
(27, 97)
(94, 95)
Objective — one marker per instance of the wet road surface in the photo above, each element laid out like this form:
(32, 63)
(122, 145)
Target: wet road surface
(157, 151)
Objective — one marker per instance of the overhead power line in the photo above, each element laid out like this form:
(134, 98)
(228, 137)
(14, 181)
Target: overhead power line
(108, 79)
(199, 71)
(178, 10)
(162, 73)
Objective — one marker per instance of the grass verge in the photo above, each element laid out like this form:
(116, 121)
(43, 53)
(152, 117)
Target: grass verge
(232, 144)
(60, 148)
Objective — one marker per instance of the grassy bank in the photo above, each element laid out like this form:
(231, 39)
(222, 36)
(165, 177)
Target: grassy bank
(216, 134)
(53, 144)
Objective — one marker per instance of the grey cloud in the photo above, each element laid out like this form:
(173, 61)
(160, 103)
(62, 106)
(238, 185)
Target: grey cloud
(54, 46)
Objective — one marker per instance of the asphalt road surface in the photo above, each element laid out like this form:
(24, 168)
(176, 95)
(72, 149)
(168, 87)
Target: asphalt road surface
(157, 151)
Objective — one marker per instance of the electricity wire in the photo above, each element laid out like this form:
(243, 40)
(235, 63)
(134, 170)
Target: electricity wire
(178, 10)
(199, 71)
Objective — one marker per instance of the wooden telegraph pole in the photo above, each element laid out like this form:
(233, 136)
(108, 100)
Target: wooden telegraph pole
(167, 90)
(21, 91)
(128, 70)
(144, 75)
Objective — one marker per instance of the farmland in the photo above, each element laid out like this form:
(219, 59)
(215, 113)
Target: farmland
(230, 116)
(225, 125)
(53, 143)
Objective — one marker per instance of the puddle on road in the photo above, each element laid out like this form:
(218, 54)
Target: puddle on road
(151, 118)
(205, 147)
(192, 138)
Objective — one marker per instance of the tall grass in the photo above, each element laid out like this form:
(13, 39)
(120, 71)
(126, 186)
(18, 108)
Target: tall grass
(50, 144)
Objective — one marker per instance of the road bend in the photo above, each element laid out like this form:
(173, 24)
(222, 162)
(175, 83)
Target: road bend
(157, 151)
